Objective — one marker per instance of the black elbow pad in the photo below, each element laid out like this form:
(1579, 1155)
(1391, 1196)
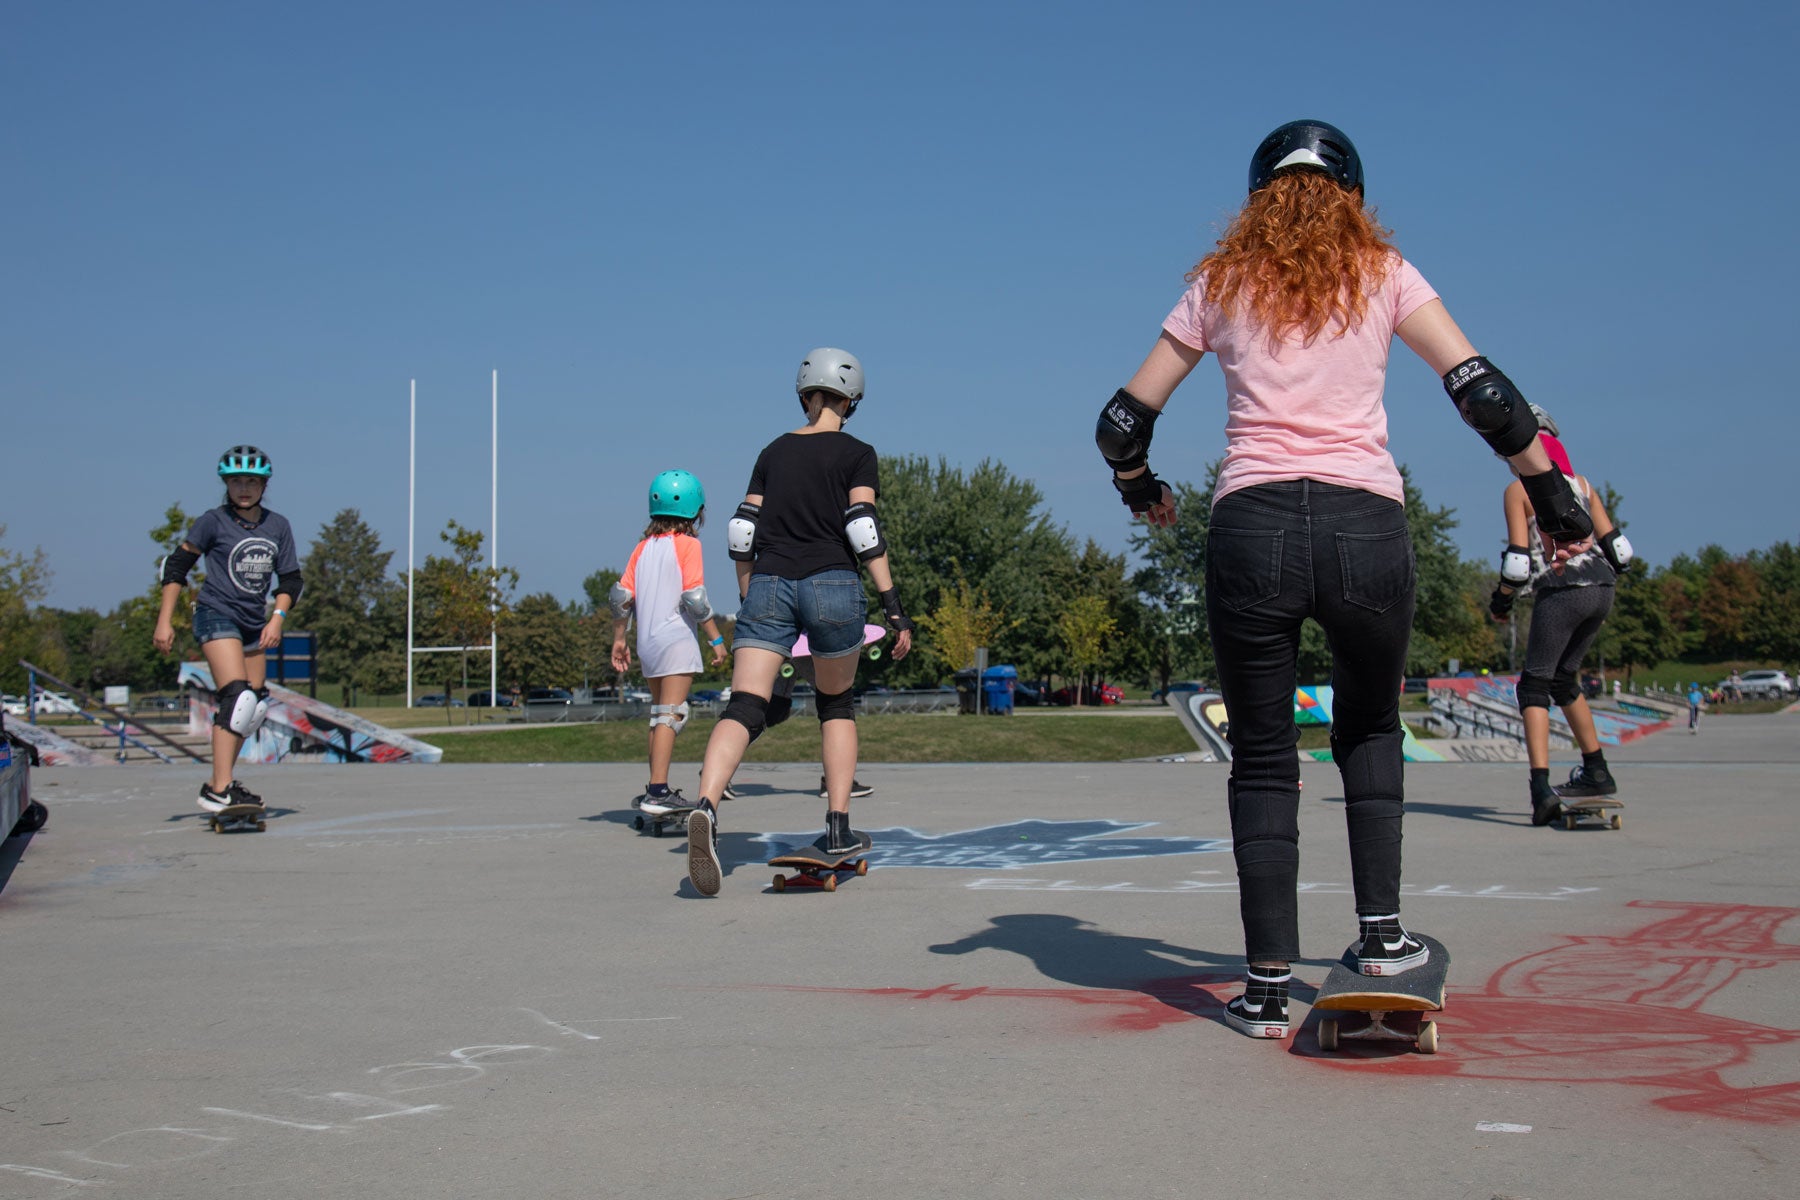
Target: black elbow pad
(177, 565)
(1491, 406)
(288, 584)
(1124, 430)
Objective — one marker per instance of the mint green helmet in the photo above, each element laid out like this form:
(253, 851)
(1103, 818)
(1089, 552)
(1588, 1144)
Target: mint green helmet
(676, 494)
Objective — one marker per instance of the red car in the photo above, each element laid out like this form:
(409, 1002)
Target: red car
(1093, 693)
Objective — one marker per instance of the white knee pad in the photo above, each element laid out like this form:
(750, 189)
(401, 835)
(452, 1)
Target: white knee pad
(241, 710)
(673, 715)
(261, 713)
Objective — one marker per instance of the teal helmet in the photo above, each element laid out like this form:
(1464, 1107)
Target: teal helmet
(245, 460)
(676, 494)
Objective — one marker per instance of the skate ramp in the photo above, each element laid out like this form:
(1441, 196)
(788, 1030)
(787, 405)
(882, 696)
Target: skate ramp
(303, 729)
(1203, 715)
(1488, 707)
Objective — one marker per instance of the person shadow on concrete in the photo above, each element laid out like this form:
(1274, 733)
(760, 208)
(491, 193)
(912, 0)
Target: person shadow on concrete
(1080, 953)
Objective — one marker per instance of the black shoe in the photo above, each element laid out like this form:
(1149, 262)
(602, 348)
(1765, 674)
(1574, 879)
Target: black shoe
(671, 801)
(213, 801)
(1387, 949)
(1545, 809)
(1584, 783)
(242, 795)
(703, 849)
(858, 789)
(840, 838)
(1262, 1011)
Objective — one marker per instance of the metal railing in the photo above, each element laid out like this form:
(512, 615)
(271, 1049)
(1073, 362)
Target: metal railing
(87, 700)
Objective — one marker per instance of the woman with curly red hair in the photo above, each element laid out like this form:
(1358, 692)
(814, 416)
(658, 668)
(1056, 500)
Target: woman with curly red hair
(1300, 301)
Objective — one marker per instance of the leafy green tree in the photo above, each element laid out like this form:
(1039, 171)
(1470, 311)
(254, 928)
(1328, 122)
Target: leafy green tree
(1084, 625)
(459, 599)
(1172, 585)
(539, 643)
(346, 573)
(963, 622)
(1774, 630)
(25, 632)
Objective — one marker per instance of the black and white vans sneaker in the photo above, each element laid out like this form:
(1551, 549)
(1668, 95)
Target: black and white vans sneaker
(213, 801)
(1262, 1011)
(1387, 949)
(858, 789)
(703, 849)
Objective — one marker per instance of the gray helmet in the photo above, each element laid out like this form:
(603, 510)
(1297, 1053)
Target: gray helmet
(1307, 144)
(831, 370)
(1545, 421)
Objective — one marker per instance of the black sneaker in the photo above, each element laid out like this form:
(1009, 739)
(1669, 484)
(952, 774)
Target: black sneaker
(858, 789)
(840, 838)
(703, 849)
(671, 801)
(1584, 783)
(213, 801)
(242, 795)
(1387, 949)
(1545, 806)
(1262, 1011)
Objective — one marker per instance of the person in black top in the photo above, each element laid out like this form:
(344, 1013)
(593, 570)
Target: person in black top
(249, 555)
(808, 518)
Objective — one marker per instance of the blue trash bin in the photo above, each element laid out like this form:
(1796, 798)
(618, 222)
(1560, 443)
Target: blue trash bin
(997, 689)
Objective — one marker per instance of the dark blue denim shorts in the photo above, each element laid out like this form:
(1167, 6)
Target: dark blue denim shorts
(829, 608)
(210, 626)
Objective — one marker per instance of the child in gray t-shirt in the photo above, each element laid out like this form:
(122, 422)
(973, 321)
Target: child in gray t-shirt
(250, 557)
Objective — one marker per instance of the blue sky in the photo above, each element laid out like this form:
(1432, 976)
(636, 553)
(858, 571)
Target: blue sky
(256, 222)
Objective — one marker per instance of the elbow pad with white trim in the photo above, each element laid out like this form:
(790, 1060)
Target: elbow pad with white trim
(863, 529)
(740, 533)
(1515, 566)
(1617, 549)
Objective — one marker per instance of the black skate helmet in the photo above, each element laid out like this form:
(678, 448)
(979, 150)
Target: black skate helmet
(1300, 144)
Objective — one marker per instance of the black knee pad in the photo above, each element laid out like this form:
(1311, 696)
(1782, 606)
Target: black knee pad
(780, 709)
(1534, 691)
(835, 706)
(1565, 689)
(752, 712)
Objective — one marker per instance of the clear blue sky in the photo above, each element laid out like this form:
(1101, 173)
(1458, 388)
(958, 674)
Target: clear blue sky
(256, 222)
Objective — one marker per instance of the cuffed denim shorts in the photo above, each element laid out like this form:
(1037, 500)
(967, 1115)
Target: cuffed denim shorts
(210, 626)
(829, 608)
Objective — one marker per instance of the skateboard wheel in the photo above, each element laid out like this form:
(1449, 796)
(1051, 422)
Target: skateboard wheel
(1617, 821)
(780, 883)
(831, 882)
(1568, 820)
(637, 822)
(787, 670)
(261, 826)
(1428, 1038)
(656, 829)
(216, 827)
(862, 867)
(874, 653)
(1328, 1039)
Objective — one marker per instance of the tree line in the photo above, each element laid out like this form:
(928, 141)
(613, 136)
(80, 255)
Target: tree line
(980, 561)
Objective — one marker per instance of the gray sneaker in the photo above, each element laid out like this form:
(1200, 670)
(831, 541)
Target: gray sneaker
(703, 849)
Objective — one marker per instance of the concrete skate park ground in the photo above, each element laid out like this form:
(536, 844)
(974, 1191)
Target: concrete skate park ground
(471, 981)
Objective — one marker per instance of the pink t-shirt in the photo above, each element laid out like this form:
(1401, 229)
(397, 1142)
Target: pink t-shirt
(1305, 411)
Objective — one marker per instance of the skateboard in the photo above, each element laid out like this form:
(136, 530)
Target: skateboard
(815, 867)
(237, 818)
(803, 650)
(1593, 808)
(1394, 1004)
(653, 816)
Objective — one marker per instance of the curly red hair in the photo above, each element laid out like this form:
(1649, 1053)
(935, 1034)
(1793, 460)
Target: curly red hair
(1303, 253)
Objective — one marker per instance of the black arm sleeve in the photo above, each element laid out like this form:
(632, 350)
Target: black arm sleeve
(289, 583)
(177, 565)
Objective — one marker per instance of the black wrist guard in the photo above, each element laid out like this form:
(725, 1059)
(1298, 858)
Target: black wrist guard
(1501, 602)
(1559, 514)
(890, 608)
(1123, 431)
(1140, 494)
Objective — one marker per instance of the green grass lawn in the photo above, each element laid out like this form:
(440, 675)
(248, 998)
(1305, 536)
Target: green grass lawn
(899, 737)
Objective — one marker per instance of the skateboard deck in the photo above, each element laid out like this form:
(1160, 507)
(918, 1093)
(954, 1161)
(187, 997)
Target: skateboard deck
(655, 817)
(803, 649)
(1393, 1004)
(815, 867)
(237, 818)
(1594, 808)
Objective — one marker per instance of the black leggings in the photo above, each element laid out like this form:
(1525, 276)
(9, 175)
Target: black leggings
(1277, 554)
(1564, 623)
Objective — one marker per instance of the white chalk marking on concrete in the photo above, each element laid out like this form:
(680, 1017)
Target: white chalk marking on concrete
(47, 1173)
(250, 1116)
(396, 1108)
(1500, 1127)
(1493, 892)
(560, 1027)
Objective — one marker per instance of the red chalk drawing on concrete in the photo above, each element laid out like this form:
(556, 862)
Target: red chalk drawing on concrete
(1592, 1010)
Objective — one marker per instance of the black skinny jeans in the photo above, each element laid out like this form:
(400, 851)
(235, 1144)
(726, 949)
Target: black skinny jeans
(1276, 554)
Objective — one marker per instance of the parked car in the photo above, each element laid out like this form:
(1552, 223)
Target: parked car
(1092, 694)
(47, 702)
(704, 695)
(1767, 685)
(551, 695)
(486, 699)
(1026, 693)
(641, 695)
(1175, 688)
(437, 700)
(1416, 683)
